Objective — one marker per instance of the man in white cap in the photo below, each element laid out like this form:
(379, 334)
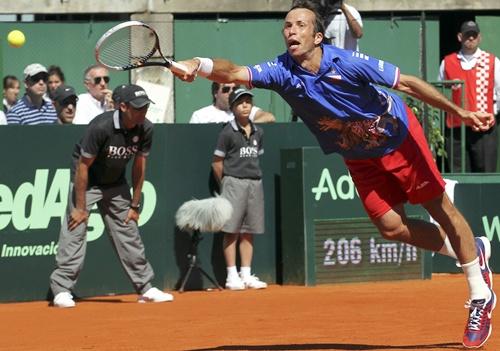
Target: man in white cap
(32, 108)
(100, 160)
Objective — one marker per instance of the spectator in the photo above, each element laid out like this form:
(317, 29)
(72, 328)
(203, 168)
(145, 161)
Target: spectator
(11, 87)
(56, 78)
(65, 100)
(219, 111)
(343, 25)
(3, 118)
(97, 99)
(32, 108)
(480, 70)
(98, 177)
(236, 167)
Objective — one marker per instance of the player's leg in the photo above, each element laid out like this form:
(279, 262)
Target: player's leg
(71, 252)
(128, 244)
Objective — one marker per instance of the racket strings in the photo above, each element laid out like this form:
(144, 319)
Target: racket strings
(128, 47)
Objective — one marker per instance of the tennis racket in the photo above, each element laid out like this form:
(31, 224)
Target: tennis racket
(131, 45)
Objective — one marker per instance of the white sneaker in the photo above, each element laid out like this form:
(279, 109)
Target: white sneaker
(252, 282)
(234, 283)
(64, 300)
(155, 295)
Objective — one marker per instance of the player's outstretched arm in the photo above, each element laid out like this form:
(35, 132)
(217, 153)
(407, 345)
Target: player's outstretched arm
(217, 70)
(416, 87)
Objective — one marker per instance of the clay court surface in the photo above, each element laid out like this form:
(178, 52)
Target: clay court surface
(408, 315)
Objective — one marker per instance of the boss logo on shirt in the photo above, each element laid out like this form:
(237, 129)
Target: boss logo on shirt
(121, 152)
(249, 151)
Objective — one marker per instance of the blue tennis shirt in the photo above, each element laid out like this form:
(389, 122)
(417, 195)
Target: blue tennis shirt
(341, 104)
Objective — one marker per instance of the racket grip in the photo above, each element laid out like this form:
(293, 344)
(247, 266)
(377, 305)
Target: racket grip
(178, 68)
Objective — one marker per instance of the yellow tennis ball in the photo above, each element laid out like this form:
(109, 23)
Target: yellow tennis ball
(16, 38)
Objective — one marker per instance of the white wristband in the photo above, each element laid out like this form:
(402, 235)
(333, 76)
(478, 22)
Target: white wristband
(206, 66)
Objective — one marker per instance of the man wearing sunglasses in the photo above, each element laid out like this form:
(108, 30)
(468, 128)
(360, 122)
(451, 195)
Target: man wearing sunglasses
(219, 111)
(65, 103)
(480, 70)
(97, 99)
(32, 108)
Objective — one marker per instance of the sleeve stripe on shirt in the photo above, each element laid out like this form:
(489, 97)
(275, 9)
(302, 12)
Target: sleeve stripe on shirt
(249, 84)
(396, 78)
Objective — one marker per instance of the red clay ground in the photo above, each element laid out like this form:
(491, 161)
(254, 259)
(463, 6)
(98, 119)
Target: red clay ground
(409, 315)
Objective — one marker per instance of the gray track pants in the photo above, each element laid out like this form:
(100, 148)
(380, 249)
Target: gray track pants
(113, 204)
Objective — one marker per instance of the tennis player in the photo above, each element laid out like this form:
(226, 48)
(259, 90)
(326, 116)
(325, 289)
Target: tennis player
(336, 93)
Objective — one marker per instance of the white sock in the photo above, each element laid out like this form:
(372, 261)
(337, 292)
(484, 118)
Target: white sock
(245, 272)
(447, 249)
(232, 272)
(477, 286)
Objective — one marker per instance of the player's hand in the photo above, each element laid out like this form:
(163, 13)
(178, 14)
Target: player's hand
(132, 215)
(192, 67)
(77, 217)
(478, 121)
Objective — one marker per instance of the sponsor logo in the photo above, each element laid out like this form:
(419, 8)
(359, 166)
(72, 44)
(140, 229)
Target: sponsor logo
(122, 152)
(421, 185)
(35, 204)
(342, 189)
(381, 65)
(249, 151)
(361, 56)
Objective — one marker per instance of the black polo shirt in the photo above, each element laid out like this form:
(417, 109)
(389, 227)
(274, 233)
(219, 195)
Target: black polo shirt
(113, 146)
(239, 152)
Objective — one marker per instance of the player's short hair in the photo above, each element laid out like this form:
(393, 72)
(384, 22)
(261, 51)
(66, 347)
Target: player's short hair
(313, 7)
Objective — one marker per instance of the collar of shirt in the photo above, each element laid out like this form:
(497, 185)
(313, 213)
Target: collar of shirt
(28, 102)
(237, 127)
(469, 61)
(329, 54)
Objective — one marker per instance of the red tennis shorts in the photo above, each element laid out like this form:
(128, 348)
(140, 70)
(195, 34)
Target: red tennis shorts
(406, 174)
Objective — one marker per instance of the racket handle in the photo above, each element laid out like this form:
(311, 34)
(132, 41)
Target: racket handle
(178, 68)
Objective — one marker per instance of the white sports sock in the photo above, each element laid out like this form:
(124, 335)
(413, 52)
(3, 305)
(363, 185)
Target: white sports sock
(245, 272)
(447, 249)
(232, 272)
(477, 286)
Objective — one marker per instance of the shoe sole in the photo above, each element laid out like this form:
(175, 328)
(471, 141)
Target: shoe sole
(153, 301)
(235, 289)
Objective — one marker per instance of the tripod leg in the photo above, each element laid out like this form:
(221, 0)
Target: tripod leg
(186, 277)
(214, 282)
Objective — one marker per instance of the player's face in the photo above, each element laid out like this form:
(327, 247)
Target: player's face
(242, 107)
(97, 82)
(222, 96)
(299, 34)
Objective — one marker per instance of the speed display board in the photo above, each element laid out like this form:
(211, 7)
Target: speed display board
(352, 250)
